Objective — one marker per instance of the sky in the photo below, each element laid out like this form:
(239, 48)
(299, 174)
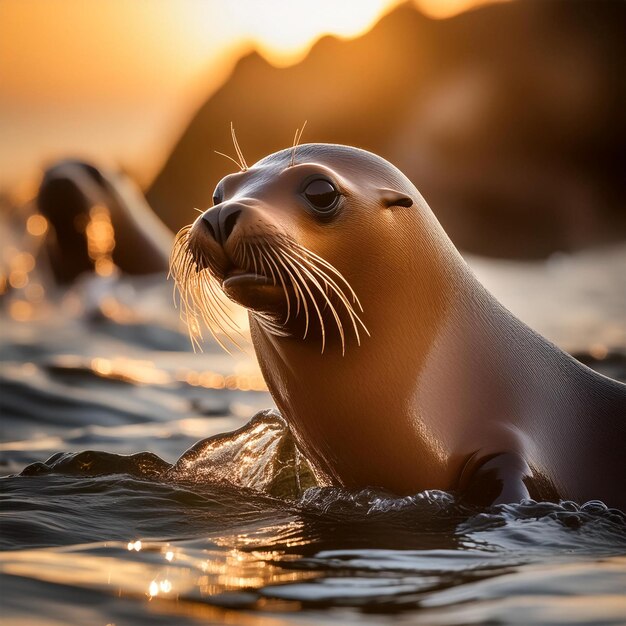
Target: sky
(116, 81)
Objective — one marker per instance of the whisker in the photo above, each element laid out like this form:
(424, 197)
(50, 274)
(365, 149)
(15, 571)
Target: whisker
(244, 165)
(326, 298)
(301, 131)
(264, 257)
(282, 282)
(296, 141)
(256, 269)
(199, 296)
(261, 259)
(299, 295)
(340, 294)
(292, 161)
(317, 309)
(333, 269)
(221, 308)
(304, 254)
(230, 159)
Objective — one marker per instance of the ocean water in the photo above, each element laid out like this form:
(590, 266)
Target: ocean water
(106, 520)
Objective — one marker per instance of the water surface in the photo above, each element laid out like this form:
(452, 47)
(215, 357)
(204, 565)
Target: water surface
(241, 534)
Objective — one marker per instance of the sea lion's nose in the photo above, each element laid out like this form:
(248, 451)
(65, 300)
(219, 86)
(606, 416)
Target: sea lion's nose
(221, 220)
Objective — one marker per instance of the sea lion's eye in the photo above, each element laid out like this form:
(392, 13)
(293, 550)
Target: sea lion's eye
(322, 195)
(217, 196)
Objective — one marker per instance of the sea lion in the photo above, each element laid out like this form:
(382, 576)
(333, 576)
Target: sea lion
(392, 364)
(71, 193)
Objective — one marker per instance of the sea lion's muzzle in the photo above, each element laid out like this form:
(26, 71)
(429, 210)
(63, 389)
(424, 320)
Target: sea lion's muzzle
(229, 240)
(219, 237)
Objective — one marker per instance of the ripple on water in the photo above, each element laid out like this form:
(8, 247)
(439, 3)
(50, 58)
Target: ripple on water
(233, 548)
(196, 546)
(239, 521)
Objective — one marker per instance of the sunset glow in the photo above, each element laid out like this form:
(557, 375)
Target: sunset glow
(284, 30)
(116, 81)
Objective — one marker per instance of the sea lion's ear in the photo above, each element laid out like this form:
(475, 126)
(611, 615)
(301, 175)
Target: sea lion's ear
(391, 197)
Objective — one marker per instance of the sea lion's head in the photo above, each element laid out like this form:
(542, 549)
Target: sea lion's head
(294, 239)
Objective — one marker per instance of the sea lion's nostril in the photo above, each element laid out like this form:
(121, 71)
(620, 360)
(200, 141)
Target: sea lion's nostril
(210, 219)
(228, 219)
(220, 222)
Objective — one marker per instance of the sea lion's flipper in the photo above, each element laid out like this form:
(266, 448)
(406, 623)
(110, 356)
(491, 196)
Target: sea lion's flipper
(498, 479)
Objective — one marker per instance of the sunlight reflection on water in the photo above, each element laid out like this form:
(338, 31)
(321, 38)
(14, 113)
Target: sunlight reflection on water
(108, 366)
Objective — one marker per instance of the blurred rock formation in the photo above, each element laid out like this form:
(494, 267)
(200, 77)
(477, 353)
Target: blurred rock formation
(508, 118)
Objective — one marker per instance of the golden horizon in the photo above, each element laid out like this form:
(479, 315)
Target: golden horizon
(116, 82)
